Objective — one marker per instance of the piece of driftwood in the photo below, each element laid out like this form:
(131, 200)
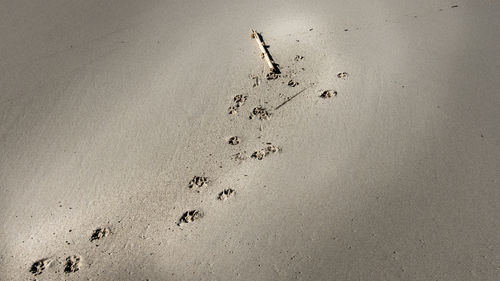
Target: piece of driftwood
(264, 52)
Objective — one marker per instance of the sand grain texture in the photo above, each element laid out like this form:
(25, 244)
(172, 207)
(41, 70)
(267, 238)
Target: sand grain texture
(109, 108)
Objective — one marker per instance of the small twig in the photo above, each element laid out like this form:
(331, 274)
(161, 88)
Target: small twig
(264, 52)
(292, 97)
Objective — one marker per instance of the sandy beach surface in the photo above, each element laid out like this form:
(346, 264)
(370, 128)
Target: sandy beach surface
(119, 159)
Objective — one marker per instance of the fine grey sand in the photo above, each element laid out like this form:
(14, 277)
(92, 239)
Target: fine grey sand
(108, 109)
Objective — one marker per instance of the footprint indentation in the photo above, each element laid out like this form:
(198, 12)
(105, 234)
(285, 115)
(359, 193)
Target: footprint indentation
(73, 264)
(272, 76)
(198, 182)
(225, 194)
(100, 233)
(298, 58)
(190, 216)
(261, 113)
(328, 94)
(239, 100)
(264, 152)
(292, 83)
(234, 140)
(240, 156)
(40, 265)
(342, 75)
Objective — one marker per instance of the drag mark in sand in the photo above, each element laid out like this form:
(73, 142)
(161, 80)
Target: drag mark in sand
(292, 97)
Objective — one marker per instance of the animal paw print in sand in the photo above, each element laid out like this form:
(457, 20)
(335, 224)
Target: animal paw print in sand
(73, 264)
(262, 153)
(298, 58)
(225, 194)
(292, 83)
(342, 75)
(39, 266)
(100, 233)
(190, 216)
(198, 182)
(328, 94)
(234, 140)
(272, 76)
(240, 156)
(261, 113)
(232, 110)
(239, 100)
(256, 80)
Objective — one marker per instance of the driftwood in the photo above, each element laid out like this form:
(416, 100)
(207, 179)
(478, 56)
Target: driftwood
(264, 52)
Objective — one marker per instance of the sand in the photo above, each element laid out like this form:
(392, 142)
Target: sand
(108, 110)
